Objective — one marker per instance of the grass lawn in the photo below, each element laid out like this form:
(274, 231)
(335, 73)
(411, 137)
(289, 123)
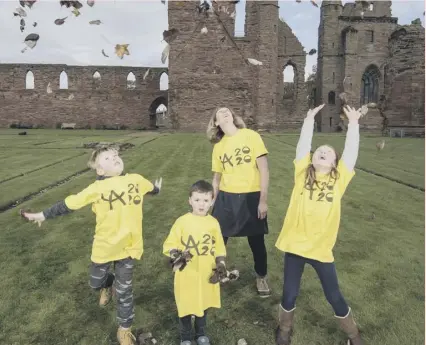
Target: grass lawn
(44, 294)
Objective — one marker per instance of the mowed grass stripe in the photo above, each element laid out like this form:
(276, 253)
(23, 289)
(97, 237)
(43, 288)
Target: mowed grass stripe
(373, 257)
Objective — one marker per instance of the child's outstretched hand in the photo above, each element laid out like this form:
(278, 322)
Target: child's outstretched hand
(33, 217)
(352, 114)
(312, 112)
(158, 183)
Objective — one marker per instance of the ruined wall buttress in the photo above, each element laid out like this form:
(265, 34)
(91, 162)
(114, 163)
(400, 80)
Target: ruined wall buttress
(405, 87)
(266, 111)
(330, 66)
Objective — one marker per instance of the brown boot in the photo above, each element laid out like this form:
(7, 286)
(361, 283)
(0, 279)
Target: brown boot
(285, 327)
(348, 325)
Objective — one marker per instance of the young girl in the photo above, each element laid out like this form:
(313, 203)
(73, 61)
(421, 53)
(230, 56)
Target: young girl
(199, 234)
(312, 223)
(240, 182)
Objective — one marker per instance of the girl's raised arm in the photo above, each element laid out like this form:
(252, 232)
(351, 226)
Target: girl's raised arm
(350, 152)
(305, 139)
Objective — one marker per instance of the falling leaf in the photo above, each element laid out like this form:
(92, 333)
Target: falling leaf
(71, 97)
(203, 7)
(22, 22)
(32, 37)
(380, 145)
(48, 89)
(312, 52)
(163, 1)
(146, 73)
(104, 54)
(95, 22)
(343, 97)
(254, 62)
(76, 12)
(165, 54)
(223, 39)
(22, 28)
(20, 12)
(60, 21)
(364, 110)
(35, 24)
(233, 14)
(22, 3)
(314, 3)
(30, 41)
(362, 14)
(170, 35)
(91, 3)
(204, 30)
(121, 50)
(76, 4)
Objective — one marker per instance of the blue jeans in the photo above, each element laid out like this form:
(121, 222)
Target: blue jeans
(293, 270)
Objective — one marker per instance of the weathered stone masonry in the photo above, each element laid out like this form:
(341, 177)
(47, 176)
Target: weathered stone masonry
(211, 70)
(90, 103)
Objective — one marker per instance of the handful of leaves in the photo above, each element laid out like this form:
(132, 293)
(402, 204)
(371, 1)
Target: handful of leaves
(179, 259)
(222, 275)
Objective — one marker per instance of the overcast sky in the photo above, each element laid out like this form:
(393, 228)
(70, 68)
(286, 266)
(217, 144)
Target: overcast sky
(137, 23)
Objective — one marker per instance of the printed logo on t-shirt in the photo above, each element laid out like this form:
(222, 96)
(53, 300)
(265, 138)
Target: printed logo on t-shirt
(239, 156)
(131, 196)
(202, 248)
(324, 191)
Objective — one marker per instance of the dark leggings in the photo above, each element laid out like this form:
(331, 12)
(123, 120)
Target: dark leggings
(293, 269)
(186, 326)
(257, 246)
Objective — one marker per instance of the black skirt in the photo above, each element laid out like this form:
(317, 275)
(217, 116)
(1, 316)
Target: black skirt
(237, 214)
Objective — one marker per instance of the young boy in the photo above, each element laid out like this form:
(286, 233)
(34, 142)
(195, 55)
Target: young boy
(199, 234)
(116, 200)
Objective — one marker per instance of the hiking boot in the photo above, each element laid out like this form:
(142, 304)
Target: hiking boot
(348, 325)
(285, 326)
(262, 287)
(125, 336)
(203, 340)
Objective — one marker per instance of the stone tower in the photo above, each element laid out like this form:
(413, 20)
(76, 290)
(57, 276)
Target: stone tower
(353, 49)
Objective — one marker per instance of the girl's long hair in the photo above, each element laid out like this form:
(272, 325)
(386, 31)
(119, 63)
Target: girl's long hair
(215, 133)
(311, 179)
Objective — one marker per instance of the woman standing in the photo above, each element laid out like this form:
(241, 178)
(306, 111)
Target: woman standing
(240, 182)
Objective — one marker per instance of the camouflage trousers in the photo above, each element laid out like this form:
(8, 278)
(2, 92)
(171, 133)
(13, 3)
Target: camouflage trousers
(100, 277)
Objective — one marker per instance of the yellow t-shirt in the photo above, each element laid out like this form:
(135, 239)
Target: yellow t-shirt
(235, 158)
(117, 202)
(313, 216)
(202, 236)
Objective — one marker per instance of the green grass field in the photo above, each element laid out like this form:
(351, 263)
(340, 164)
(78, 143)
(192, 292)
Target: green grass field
(44, 294)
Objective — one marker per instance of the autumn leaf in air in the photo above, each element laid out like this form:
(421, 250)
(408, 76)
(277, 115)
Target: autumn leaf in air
(121, 50)
(255, 62)
(60, 21)
(91, 3)
(146, 73)
(165, 53)
(95, 22)
(312, 52)
(314, 3)
(76, 12)
(104, 54)
(170, 35)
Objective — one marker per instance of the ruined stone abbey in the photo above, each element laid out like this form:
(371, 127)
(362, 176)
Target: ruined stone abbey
(362, 51)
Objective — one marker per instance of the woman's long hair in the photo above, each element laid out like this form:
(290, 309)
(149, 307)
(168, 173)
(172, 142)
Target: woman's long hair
(311, 178)
(215, 133)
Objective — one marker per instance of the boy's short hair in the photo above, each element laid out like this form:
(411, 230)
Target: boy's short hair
(201, 186)
(95, 154)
